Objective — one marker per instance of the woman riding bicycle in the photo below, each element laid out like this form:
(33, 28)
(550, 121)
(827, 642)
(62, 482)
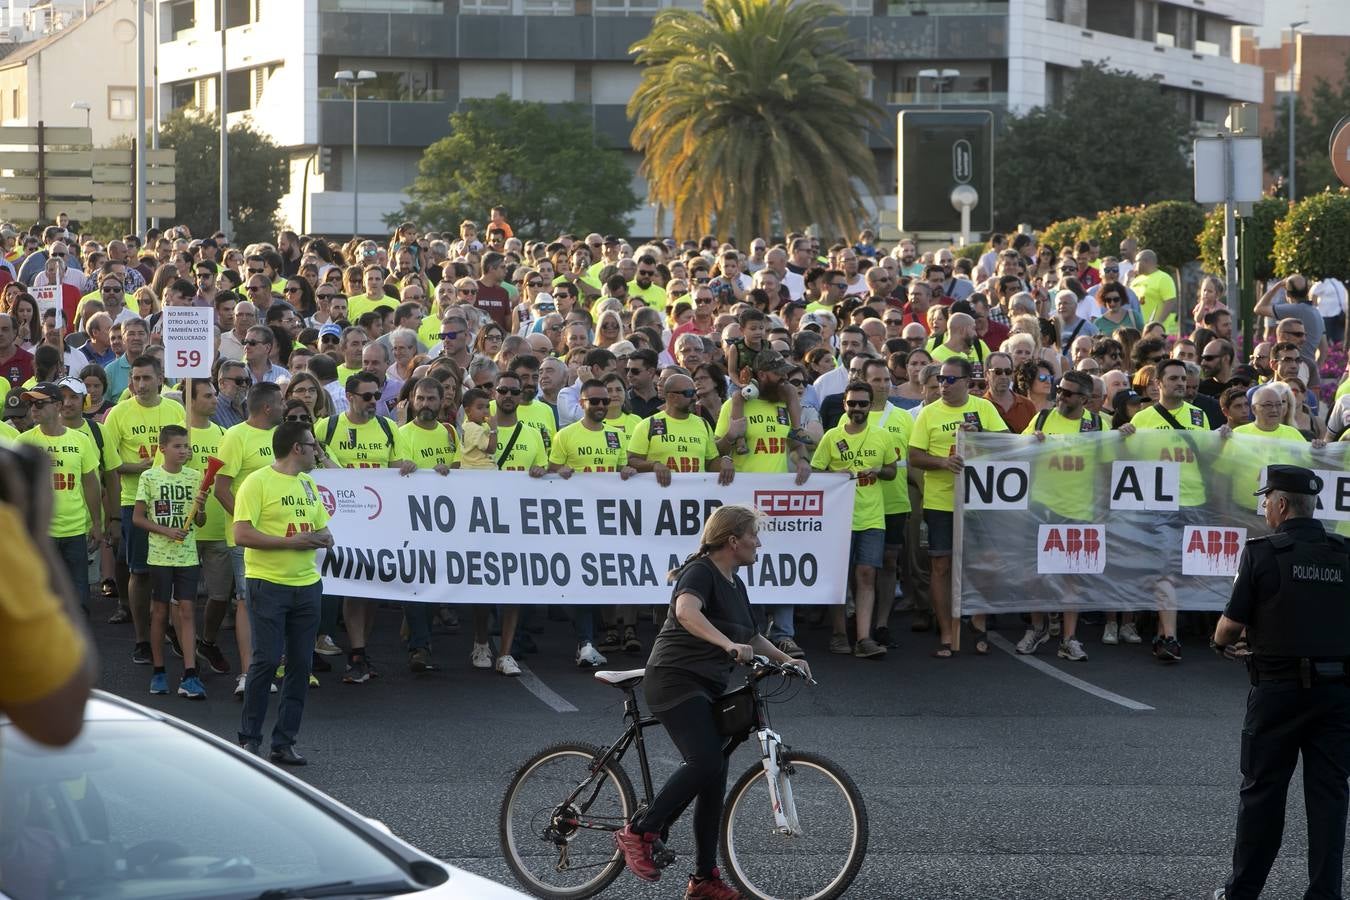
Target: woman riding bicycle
(709, 623)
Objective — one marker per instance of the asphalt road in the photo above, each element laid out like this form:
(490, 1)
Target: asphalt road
(984, 776)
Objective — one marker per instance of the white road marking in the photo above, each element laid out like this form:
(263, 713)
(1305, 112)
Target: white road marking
(1006, 646)
(535, 685)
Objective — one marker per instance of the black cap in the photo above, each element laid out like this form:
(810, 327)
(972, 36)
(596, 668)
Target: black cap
(1291, 480)
(611, 239)
(1243, 376)
(15, 406)
(43, 390)
(770, 361)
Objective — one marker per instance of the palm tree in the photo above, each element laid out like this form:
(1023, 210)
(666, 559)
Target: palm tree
(751, 117)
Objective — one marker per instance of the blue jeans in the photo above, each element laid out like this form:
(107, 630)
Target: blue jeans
(284, 619)
(419, 625)
(74, 553)
(780, 626)
(583, 623)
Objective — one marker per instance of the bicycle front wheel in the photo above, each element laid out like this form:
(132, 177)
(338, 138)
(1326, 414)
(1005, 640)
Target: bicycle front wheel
(559, 848)
(821, 857)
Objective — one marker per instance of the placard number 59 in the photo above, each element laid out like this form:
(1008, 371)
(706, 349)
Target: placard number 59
(189, 359)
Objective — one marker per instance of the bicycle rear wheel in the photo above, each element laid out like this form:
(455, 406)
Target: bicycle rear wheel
(559, 850)
(818, 863)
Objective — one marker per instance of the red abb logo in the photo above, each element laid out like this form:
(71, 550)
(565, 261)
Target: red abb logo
(791, 503)
(1215, 542)
(1072, 541)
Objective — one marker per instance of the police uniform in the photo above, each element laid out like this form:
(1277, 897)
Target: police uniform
(1291, 593)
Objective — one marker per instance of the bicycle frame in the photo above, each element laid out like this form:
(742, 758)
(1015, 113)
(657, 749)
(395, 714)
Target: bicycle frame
(770, 747)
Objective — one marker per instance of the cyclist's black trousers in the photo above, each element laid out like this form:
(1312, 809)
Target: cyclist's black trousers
(702, 779)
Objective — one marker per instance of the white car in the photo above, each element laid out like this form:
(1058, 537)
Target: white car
(145, 806)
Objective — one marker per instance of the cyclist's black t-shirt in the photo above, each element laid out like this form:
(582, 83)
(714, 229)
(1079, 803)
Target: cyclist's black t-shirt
(682, 665)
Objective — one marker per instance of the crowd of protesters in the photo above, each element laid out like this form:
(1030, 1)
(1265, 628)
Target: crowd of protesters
(483, 349)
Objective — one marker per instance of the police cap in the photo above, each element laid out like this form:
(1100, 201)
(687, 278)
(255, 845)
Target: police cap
(1291, 480)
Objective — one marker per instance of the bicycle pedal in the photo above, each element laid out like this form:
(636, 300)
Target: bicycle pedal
(663, 858)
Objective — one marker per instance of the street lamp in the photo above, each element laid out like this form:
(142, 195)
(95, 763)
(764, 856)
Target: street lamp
(346, 77)
(940, 76)
(1293, 99)
(84, 105)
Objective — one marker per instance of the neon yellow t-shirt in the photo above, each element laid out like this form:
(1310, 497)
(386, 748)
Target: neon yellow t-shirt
(361, 304)
(168, 500)
(281, 505)
(344, 372)
(109, 459)
(871, 448)
(681, 445)
(975, 355)
(900, 425)
(766, 435)
(365, 446)
(206, 444)
(243, 450)
(625, 422)
(73, 456)
(1064, 479)
(1155, 439)
(1153, 290)
(529, 450)
(430, 447)
(1245, 456)
(935, 433)
(134, 430)
(583, 450)
(7, 430)
(654, 296)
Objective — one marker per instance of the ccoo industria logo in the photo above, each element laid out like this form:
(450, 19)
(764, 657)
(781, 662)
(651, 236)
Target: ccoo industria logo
(791, 510)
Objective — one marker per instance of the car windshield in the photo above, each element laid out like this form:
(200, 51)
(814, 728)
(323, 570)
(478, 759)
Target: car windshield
(140, 809)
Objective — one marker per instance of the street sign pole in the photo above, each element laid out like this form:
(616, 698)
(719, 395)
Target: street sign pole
(1229, 225)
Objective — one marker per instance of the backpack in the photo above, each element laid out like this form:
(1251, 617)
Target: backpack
(384, 426)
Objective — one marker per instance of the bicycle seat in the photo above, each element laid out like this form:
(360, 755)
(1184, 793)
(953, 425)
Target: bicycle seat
(622, 680)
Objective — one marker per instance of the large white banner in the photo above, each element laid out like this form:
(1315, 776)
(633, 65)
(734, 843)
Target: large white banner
(503, 537)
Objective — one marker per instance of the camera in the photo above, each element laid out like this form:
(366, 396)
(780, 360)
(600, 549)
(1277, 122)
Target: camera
(750, 391)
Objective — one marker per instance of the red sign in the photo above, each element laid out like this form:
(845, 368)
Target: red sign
(1071, 549)
(791, 503)
(1211, 550)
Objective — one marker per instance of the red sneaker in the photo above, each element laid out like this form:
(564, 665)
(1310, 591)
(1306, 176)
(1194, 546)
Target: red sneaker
(710, 888)
(637, 852)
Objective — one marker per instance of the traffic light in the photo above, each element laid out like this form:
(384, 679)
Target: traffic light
(325, 159)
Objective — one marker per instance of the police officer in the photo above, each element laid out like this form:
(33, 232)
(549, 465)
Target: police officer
(1291, 595)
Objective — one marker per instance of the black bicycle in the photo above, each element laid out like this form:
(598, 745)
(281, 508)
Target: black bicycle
(794, 825)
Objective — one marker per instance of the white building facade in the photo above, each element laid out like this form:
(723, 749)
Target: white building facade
(429, 55)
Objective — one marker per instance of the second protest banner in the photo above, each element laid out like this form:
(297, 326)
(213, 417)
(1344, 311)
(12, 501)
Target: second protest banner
(503, 537)
(1107, 522)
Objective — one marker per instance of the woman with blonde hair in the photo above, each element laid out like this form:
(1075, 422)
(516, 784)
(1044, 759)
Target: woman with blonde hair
(608, 328)
(709, 626)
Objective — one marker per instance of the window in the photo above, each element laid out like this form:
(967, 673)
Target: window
(182, 17)
(405, 81)
(122, 104)
(238, 91)
(485, 7)
(626, 7)
(184, 93)
(237, 12)
(14, 103)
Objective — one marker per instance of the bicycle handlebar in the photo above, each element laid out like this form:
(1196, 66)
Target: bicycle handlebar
(762, 666)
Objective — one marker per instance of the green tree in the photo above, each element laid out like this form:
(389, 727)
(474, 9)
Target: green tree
(1313, 123)
(1109, 229)
(544, 165)
(1061, 234)
(1170, 230)
(1115, 140)
(1314, 238)
(752, 119)
(1260, 225)
(258, 175)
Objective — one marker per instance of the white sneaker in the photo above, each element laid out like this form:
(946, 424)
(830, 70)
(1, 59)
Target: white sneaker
(507, 665)
(1072, 651)
(1111, 634)
(1129, 634)
(1031, 640)
(588, 657)
(481, 657)
(239, 685)
(324, 646)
